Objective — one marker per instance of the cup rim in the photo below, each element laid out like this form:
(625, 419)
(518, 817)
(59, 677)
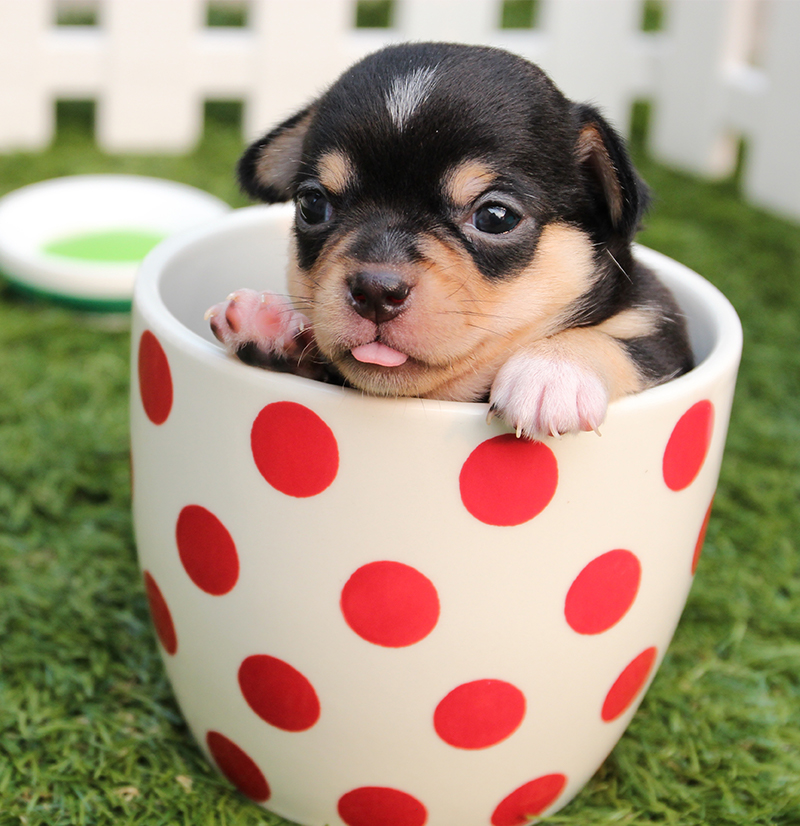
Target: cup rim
(722, 359)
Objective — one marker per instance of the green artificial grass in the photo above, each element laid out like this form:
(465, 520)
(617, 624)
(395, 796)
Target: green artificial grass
(89, 730)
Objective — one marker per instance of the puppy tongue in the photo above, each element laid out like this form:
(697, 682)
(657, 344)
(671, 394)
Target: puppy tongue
(377, 353)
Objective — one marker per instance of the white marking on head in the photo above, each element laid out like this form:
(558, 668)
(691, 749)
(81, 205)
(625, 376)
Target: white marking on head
(408, 92)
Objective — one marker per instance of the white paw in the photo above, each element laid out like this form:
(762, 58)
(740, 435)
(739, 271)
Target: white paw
(261, 320)
(543, 395)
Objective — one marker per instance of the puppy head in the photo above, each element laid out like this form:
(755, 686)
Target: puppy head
(449, 203)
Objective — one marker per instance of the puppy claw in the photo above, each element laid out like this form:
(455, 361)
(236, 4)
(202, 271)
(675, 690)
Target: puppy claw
(541, 395)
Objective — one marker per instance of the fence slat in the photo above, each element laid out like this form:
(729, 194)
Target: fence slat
(466, 21)
(26, 112)
(148, 101)
(772, 171)
(689, 127)
(152, 63)
(300, 47)
(596, 54)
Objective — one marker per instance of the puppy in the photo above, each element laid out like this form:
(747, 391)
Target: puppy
(462, 231)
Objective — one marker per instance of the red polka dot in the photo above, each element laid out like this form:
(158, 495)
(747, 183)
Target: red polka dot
(507, 481)
(206, 550)
(278, 693)
(688, 445)
(628, 685)
(528, 801)
(294, 450)
(378, 806)
(238, 767)
(603, 592)
(479, 714)
(391, 604)
(155, 379)
(159, 611)
(698, 548)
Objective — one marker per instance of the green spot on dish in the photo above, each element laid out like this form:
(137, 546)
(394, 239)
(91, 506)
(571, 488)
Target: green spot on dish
(118, 246)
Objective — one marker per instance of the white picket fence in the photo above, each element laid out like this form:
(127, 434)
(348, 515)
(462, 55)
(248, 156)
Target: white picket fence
(720, 70)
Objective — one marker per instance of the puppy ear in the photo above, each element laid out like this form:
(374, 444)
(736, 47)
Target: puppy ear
(268, 167)
(615, 188)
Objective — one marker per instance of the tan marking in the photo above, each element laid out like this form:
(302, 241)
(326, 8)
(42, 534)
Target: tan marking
(336, 172)
(591, 150)
(279, 160)
(635, 322)
(467, 181)
(562, 270)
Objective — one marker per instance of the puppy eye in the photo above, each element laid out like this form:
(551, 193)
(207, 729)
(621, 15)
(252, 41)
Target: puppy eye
(313, 208)
(495, 219)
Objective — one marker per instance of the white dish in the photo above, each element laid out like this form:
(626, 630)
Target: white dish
(80, 239)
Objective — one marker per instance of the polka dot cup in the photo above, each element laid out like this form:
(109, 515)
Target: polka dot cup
(388, 612)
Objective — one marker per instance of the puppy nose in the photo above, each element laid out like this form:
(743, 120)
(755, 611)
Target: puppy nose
(378, 295)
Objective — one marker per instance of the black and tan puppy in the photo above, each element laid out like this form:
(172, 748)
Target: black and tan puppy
(462, 231)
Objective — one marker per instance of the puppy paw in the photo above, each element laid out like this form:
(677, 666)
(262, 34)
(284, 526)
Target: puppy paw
(543, 395)
(258, 327)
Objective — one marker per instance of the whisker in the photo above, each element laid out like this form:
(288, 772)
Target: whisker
(619, 266)
(458, 288)
(304, 351)
(481, 314)
(479, 327)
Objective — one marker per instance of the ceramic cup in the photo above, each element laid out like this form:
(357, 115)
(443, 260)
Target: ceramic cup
(387, 611)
